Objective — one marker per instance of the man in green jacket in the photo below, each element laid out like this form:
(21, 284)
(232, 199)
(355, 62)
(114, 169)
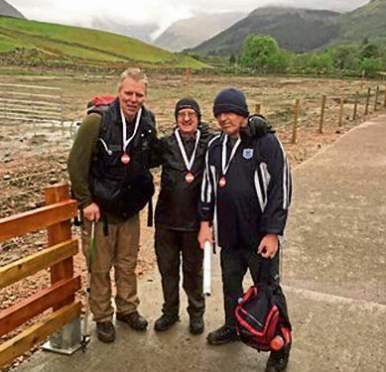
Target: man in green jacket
(110, 177)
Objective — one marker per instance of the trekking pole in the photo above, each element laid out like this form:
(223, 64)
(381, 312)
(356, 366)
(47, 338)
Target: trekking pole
(86, 332)
(207, 268)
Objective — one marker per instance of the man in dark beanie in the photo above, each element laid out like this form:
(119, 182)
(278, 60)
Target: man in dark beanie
(176, 217)
(246, 193)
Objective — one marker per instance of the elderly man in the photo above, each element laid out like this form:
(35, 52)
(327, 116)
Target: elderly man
(109, 171)
(246, 192)
(176, 217)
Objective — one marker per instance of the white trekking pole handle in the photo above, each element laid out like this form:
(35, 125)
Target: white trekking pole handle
(207, 268)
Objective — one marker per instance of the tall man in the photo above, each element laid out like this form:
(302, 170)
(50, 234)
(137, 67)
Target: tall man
(246, 193)
(109, 171)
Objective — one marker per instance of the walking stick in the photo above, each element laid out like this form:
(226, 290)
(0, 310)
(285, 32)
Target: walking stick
(86, 332)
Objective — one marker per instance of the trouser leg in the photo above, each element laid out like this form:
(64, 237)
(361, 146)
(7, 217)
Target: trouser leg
(192, 259)
(233, 269)
(168, 259)
(100, 284)
(125, 263)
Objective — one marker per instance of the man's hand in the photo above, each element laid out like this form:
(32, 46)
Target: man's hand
(205, 234)
(92, 212)
(269, 246)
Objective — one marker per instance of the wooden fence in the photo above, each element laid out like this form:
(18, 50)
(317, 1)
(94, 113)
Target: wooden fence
(38, 104)
(58, 256)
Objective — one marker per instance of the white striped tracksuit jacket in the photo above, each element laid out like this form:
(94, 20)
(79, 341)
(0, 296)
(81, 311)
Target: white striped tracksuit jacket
(257, 193)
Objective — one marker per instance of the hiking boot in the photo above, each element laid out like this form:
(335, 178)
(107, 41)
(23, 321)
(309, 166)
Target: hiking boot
(196, 325)
(278, 360)
(134, 320)
(221, 336)
(165, 322)
(105, 332)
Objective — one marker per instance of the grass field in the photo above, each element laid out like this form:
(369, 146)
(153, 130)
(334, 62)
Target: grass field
(57, 42)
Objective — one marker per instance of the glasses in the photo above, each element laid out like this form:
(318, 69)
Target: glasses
(182, 115)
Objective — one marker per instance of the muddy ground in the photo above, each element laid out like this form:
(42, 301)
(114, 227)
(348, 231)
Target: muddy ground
(32, 156)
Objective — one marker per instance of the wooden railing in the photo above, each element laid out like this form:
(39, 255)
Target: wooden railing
(58, 256)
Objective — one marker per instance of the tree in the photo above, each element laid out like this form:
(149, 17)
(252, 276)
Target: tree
(258, 51)
(232, 59)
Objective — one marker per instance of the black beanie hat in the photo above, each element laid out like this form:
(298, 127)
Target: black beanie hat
(230, 100)
(187, 103)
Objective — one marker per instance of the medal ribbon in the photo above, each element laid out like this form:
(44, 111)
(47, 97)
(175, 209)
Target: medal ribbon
(188, 163)
(224, 163)
(125, 141)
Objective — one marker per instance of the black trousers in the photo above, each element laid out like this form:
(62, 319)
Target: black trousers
(234, 266)
(170, 246)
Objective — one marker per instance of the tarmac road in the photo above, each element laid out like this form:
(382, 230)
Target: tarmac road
(334, 277)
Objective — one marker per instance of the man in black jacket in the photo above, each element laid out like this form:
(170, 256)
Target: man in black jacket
(176, 216)
(110, 177)
(246, 193)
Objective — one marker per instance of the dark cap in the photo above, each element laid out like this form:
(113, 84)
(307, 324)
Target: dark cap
(185, 103)
(230, 100)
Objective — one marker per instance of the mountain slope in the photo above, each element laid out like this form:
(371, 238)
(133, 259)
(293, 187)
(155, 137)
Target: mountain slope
(368, 21)
(9, 11)
(190, 32)
(80, 46)
(297, 30)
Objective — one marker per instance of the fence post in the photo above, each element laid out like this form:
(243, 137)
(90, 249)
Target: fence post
(376, 98)
(354, 116)
(58, 233)
(296, 119)
(340, 123)
(257, 108)
(68, 339)
(368, 101)
(384, 102)
(324, 98)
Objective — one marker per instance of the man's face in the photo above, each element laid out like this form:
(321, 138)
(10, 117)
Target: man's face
(132, 95)
(231, 123)
(187, 121)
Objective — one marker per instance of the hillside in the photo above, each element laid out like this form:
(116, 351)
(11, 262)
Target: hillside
(38, 43)
(368, 21)
(297, 30)
(190, 32)
(8, 10)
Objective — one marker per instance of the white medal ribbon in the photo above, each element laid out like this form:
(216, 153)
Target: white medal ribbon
(224, 164)
(188, 163)
(125, 141)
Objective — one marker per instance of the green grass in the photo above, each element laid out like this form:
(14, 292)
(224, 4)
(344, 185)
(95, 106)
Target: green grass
(84, 45)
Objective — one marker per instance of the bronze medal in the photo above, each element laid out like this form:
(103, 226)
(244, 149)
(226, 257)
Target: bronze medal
(189, 177)
(125, 159)
(222, 182)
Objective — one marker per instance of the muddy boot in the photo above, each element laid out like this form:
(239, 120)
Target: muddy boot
(196, 325)
(278, 360)
(165, 322)
(105, 332)
(223, 335)
(134, 320)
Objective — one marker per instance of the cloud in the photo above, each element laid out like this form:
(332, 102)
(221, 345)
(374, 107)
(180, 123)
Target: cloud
(162, 13)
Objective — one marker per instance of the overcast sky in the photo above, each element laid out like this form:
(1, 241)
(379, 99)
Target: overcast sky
(161, 12)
